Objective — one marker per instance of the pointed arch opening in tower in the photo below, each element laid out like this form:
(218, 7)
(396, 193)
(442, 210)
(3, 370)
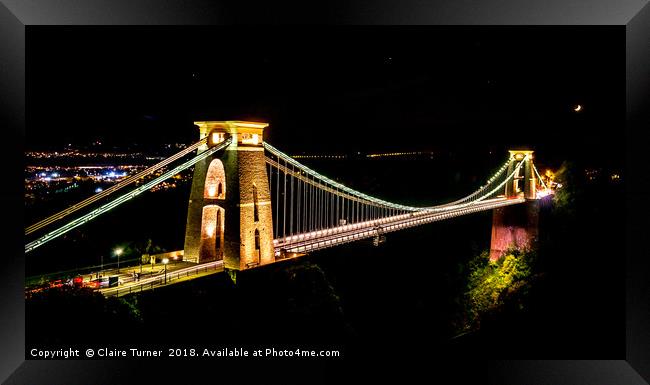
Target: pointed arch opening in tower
(215, 181)
(211, 233)
(258, 251)
(256, 210)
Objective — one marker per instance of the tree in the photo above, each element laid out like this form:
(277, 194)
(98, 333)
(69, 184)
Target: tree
(492, 284)
(568, 195)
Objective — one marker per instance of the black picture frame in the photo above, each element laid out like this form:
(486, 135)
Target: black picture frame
(16, 16)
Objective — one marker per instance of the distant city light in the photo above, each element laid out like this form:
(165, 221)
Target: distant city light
(42, 181)
(398, 154)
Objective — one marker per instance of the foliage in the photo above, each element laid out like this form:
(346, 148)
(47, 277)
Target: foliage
(310, 292)
(70, 314)
(139, 248)
(129, 303)
(565, 197)
(493, 284)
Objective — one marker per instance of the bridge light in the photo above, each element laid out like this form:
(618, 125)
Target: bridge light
(217, 137)
(250, 138)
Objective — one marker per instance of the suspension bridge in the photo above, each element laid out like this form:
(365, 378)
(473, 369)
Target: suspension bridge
(251, 204)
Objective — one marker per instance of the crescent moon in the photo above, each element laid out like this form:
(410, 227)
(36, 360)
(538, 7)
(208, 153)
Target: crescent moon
(578, 108)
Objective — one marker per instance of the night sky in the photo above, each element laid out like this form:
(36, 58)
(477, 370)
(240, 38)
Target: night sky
(334, 89)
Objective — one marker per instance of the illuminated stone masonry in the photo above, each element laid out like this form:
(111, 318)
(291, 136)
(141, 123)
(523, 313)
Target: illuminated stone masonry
(517, 226)
(229, 214)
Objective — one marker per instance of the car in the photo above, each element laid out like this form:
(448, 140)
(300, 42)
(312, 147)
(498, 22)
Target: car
(78, 281)
(102, 282)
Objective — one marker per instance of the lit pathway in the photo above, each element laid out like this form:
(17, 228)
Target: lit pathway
(158, 280)
(320, 239)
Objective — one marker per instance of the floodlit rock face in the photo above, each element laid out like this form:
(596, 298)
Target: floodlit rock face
(515, 226)
(232, 222)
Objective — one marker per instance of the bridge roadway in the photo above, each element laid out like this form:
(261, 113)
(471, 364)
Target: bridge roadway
(158, 280)
(321, 239)
(316, 240)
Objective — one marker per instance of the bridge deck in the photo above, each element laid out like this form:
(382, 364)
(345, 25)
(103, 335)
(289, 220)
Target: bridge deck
(348, 233)
(315, 240)
(158, 281)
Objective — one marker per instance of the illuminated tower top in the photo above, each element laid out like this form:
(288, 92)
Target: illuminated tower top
(243, 133)
(519, 155)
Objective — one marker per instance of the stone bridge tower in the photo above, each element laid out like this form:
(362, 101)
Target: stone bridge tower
(524, 182)
(229, 214)
(517, 225)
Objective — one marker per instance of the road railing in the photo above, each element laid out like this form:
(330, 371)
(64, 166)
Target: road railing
(161, 280)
